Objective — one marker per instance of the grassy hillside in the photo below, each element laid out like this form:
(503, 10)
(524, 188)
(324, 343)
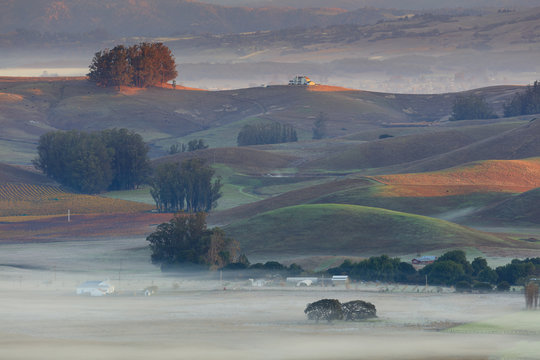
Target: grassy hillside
(390, 151)
(422, 205)
(15, 174)
(163, 116)
(45, 200)
(243, 159)
(288, 198)
(522, 208)
(490, 175)
(521, 142)
(352, 230)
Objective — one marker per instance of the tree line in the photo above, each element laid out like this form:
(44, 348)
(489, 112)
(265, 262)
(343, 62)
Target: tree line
(117, 159)
(187, 186)
(262, 133)
(524, 103)
(141, 65)
(92, 162)
(468, 107)
(450, 269)
(186, 240)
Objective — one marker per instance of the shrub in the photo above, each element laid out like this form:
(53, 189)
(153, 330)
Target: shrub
(358, 310)
(471, 107)
(463, 286)
(503, 286)
(325, 309)
(482, 287)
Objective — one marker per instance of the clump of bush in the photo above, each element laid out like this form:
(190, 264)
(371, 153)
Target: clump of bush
(332, 309)
(471, 107)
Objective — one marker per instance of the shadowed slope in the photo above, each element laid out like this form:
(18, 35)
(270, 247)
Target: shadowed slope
(242, 158)
(519, 143)
(14, 174)
(523, 208)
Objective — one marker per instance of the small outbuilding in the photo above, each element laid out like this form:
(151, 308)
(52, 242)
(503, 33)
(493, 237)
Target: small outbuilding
(95, 288)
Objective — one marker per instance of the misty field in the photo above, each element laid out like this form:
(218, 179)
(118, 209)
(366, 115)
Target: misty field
(194, 317)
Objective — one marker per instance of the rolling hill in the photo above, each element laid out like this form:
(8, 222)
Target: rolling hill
(123, 18)
(494, 175)
(350, 230)
(522, 208)
(519, 143)
(15, 174)
(31, 107)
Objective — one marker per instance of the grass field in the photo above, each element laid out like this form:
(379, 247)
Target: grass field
(487, 176)
(348, 229)
(376, 196)
(43, 200)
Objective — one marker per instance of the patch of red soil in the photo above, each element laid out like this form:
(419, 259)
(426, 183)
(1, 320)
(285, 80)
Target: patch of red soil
(328, 88)
(178, 87)
(81, 226)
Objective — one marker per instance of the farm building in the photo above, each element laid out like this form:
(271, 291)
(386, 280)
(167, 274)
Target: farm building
(424, 260)
(340, 279)
(301, 80)
(95, 288)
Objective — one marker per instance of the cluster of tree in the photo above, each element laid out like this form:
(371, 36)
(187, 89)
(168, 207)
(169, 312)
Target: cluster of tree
(260, 270)
(266, 133)
(192, 145)
(451, 269)
(319, 126)
(92, 162)
(187, 186)
(524, 103)
(186, 240)
(382, 268)
(141, 65)
(471, 107)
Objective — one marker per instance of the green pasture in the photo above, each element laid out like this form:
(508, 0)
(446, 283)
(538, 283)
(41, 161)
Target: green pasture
(335, 229)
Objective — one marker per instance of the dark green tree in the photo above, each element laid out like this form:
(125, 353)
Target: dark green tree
(266, 133)
(75, 159)
(524, 103)
(94, 162)
(186, 186)
(444, 272)
(319, 126)
(167, 188)
(468, 107)
(130, 163)
(186, 239)
(194, 145)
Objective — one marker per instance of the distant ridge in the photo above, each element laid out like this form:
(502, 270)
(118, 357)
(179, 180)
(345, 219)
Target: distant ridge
(519, 143)
(16, 174)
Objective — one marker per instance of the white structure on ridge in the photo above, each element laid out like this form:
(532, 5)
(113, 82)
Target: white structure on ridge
(301, 80)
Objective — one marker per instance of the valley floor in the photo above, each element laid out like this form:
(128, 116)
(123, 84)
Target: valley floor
(202, 318)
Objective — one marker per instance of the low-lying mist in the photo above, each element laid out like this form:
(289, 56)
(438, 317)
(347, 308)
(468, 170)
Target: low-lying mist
(200, 316)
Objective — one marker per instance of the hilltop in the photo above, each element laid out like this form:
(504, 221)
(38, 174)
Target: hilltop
(165, 116)
(350, 230)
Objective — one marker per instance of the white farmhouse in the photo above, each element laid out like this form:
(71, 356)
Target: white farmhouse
(301, 80)
(95, 288)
